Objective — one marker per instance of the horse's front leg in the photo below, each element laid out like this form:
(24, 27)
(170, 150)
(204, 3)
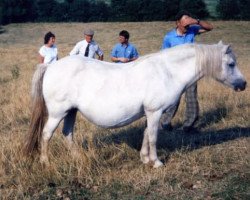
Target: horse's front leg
(68, 130)
(153, 119)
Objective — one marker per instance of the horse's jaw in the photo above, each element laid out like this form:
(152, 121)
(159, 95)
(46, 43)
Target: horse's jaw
(238, 85)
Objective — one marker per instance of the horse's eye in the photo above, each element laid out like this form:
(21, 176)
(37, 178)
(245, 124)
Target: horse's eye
(231, 65)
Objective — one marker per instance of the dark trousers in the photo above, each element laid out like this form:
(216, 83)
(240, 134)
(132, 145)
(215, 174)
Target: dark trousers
(192, 109)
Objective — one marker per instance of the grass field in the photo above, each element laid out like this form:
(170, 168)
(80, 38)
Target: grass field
(213, 164)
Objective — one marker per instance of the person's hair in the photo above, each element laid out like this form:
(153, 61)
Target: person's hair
(48, 36)
(124, 33)
(181, 13)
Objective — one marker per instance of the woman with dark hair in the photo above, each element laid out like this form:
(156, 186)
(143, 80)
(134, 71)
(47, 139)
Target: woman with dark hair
(48, 52)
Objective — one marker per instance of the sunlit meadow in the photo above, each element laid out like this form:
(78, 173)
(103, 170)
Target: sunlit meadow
(213, 164)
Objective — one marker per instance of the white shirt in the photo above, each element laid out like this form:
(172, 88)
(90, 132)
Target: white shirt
(81, 46)
(49, 54)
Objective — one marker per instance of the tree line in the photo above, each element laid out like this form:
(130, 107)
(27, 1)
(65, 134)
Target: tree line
(18, 11)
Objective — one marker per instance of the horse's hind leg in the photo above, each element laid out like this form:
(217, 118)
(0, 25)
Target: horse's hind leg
(68, 127)
(48, 131)
(144, 153)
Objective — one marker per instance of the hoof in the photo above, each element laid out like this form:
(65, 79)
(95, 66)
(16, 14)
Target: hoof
(75, 153)
(157, 164)
(145, 159)
(44, 162)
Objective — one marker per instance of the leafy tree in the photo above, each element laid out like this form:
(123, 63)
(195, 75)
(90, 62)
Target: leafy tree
(1, 12)
(196, 8)
(244, 7)
(228, 9)
(134, 10)
(79, 11)
(45, 10)
(118, 12)
(13, 11)
(171, 8)
(150, 10)
(99, 11)
(61, 12)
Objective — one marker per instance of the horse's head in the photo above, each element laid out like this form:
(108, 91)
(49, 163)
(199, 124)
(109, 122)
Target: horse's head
(230, 74)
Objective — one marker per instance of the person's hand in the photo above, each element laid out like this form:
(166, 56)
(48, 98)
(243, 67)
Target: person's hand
(188, 21)
(124, 60)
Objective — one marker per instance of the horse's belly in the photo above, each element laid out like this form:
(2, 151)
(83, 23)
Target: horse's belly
(113, 117)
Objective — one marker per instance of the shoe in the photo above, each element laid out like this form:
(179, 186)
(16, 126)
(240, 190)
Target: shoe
(167, 127)
(190, 129)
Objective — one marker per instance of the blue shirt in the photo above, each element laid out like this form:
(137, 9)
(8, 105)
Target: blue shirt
(125, 51)
(172, 39)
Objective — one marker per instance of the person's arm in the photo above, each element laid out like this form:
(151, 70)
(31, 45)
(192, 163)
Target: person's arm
(135, 55)
(40, 58)
(165, 43)
(204, 25)
(123, 60)
(99, 53)
(41, 55)
(132, 59)
(75, 50)
(114, 57)
(100, 57)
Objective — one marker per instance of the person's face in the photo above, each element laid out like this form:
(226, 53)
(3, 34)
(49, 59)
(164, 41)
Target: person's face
(122, 40)
(88, 38)
(182, 23)
(51, 41)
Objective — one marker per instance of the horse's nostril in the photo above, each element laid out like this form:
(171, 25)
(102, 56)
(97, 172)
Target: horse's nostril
(245, 84)
(240, 86)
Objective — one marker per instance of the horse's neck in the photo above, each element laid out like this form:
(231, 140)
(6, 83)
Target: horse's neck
(184, 70)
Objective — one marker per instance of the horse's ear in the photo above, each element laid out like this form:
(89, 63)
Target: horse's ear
(227, 49)
(220, 42)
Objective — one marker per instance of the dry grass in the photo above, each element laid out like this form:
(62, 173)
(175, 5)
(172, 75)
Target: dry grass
(211, 165)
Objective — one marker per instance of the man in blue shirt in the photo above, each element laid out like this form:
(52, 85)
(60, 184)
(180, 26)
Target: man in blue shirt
(124, 51)
(186, 30)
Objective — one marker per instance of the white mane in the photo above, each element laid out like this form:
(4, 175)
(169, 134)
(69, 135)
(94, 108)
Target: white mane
(209, 58)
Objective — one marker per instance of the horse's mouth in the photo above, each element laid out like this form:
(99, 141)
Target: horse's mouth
(240, 86)
(239, 89)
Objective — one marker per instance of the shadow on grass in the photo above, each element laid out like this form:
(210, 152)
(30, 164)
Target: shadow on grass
(176, 140)
(213, 116)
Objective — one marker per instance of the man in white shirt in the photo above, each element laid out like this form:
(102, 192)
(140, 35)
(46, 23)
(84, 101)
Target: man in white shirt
(87, 47)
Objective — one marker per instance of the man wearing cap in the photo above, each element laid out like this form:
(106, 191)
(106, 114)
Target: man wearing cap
(186, 30)
(124, 51)
(87, 47)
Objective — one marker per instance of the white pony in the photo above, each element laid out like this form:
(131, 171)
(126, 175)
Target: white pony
(114, 95)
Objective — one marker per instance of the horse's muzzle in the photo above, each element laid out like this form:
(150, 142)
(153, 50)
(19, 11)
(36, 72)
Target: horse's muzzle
(240, 85)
